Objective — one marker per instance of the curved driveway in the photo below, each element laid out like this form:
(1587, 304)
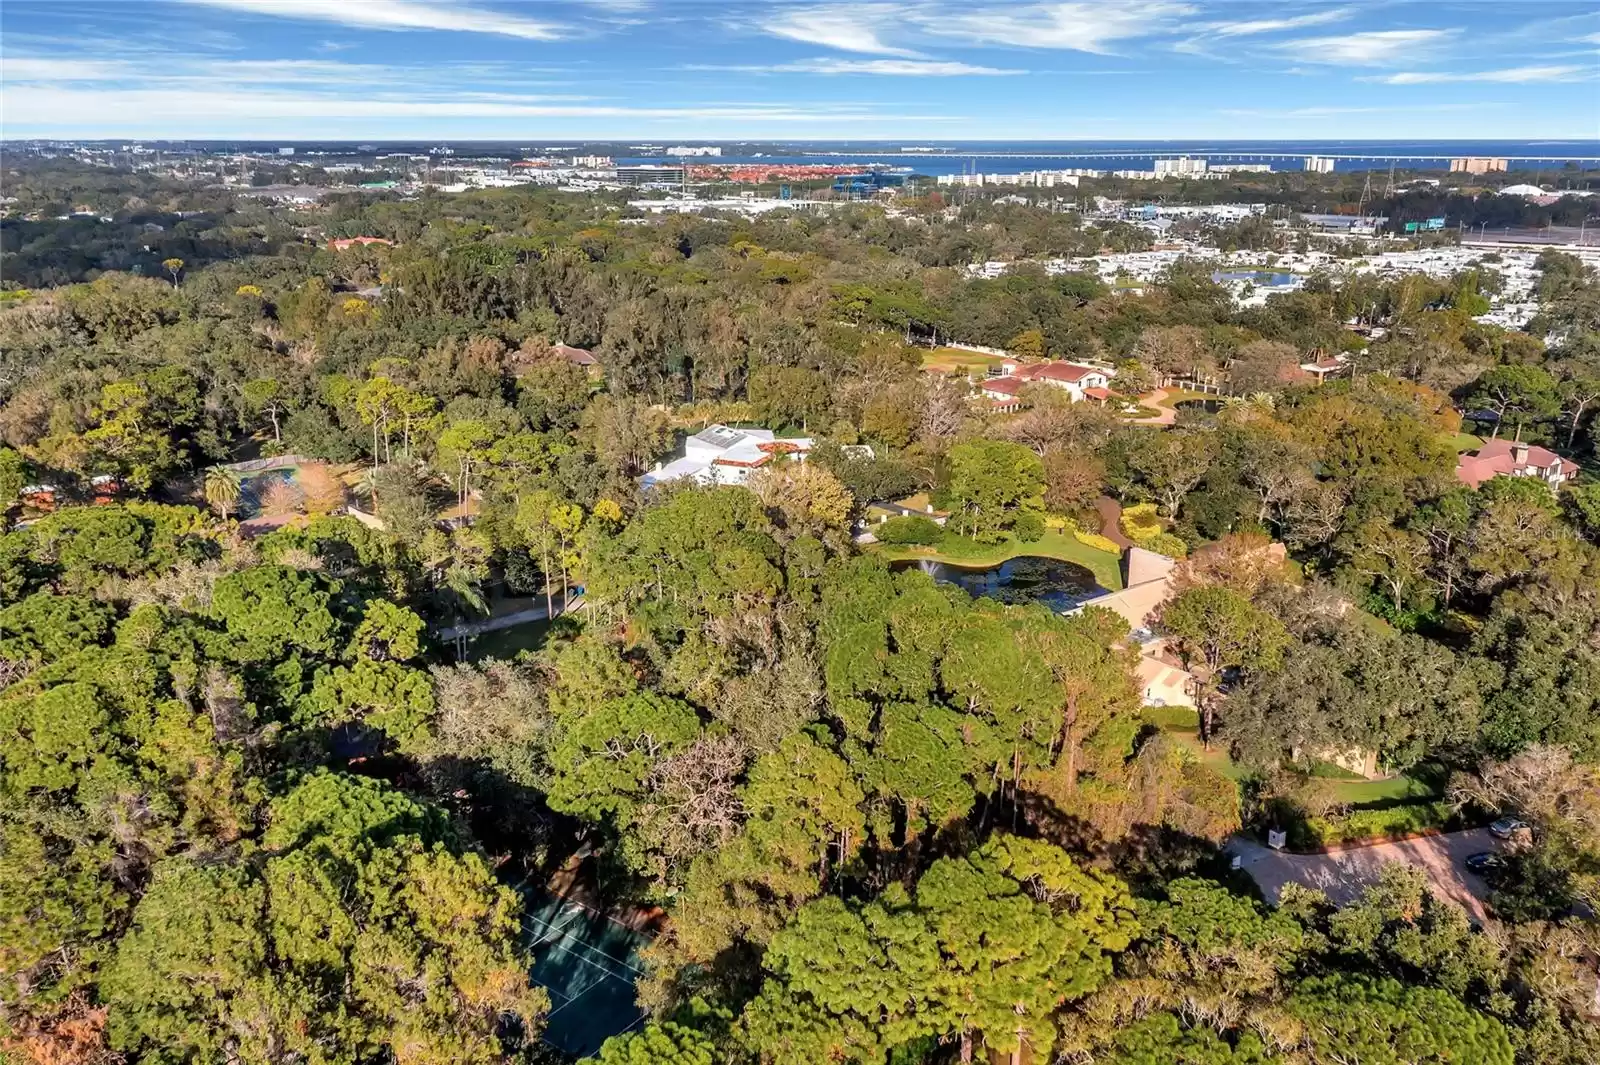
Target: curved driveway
(1342, 874)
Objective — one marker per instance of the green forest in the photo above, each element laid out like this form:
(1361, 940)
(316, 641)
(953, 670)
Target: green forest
(262, 802)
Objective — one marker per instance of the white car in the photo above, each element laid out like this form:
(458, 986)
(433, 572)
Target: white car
(1507, 827)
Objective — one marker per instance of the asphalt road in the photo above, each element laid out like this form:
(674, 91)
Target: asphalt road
(1342, 875)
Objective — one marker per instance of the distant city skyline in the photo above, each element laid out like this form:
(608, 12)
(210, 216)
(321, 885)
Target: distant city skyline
(918, 71)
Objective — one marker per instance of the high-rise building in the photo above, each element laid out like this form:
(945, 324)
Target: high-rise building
(650, 175)
(1319, 164)
(1182, 167)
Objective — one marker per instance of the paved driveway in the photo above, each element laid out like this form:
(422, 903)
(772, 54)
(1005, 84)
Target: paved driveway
(1342, 875)
(1165, 414)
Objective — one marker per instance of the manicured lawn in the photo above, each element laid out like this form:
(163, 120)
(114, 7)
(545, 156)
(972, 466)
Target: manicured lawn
(1188, 734)
(1363, 792)
(1422, 786)
(949, 360)
(1467, 442)
(1106, 567)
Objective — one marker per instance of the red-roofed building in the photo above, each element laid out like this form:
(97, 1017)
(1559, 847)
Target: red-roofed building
(1513, 458)
(1075, 379)
(1003, 393)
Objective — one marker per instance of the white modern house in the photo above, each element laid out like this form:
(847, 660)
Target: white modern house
(718, 454)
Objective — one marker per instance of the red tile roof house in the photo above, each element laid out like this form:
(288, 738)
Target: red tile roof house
(1512, 458)
(1003, 393)
(1077, 380)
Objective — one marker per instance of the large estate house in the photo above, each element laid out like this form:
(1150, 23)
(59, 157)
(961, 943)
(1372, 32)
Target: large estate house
(1081, 382)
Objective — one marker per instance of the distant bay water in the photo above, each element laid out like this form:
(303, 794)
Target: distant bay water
(1000, 157)
(935, 157)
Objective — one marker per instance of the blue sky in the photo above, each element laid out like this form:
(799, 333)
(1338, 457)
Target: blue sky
(920, 71)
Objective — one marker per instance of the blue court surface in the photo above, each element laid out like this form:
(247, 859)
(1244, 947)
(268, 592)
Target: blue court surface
(589, 964)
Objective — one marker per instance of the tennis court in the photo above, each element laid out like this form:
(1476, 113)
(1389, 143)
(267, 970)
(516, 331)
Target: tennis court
(589, 963)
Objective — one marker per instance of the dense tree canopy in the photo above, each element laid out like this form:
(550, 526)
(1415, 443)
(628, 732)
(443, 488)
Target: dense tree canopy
(270, 793)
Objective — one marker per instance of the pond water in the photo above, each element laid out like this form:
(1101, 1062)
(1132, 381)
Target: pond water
(1259, 278)
(1210, 406)
(1025, 579)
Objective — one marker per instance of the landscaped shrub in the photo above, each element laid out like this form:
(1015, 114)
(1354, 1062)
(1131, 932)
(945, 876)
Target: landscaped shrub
(1141, 524)
(909, 530)
(1095, 540)
(1370, 823)
(1166, 544)
(1028, 526)
(1171, 718)
(1140, 521)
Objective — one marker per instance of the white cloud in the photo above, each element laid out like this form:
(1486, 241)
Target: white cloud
(1508, 76)
(1372, 48)
(1078, 27)
(63, 68)
(397, 15)
(849, 28)
(155, 69)
(1251, 27)
(924, 68)
(74, 108)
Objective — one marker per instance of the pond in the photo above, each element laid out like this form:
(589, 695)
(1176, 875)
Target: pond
(1259, 278)
(1057, 584)
(1210, 406)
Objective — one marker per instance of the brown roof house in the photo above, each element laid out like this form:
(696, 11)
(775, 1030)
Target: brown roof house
(577, 356)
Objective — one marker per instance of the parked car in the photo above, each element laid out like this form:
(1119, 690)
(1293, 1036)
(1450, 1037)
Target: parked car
(1485, 863)
(1507, 827)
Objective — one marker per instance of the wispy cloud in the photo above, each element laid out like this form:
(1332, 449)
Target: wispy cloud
(1253, 27)
(398, 15)
(21, 68)
(1372, 48)
(869, 27)
(178, 71)
(1078, 27)
(915, 68)
(1507, 76)
(1335, 111)
(846, 27)
(172, 93)
(74, 108)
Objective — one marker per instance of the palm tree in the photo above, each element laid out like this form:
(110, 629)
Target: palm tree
(221, 489)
